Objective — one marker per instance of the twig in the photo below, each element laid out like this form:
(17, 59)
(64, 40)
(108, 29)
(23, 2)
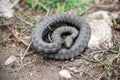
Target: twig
(48, 13)
(23, 56)
(27, 54)
(101, 75)
(89, 59)
(17, 62)
(27, 50)
(24, 20)
(14, 3)
(29, 63)
(22, 66)
(74, 75)
(16, 36)
(21, 62)
(99, 51)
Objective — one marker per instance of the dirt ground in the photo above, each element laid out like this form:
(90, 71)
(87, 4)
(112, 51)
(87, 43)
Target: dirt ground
(91, 65)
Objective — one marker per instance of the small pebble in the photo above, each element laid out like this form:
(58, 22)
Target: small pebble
(10, 60)
(65, 74)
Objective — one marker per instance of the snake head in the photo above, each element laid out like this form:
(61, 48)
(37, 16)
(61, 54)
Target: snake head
(68, 42)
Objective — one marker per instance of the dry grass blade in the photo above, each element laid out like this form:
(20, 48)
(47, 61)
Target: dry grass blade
(86, 58)
(24, 20)
(101, 75)
(26, 51)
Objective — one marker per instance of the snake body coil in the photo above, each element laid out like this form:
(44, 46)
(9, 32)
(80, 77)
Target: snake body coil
(76, 42)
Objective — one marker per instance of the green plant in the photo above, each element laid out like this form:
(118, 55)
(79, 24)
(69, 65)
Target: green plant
(110, 69)
(118, 56)
(115, 51)
(49, 36)
(60, 5)
(113, 22)
(60, 8)
(31, 3)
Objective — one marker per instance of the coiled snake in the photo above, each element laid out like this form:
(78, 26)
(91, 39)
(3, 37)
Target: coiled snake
(74, 43)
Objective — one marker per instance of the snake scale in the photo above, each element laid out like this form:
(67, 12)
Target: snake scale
(74, 43)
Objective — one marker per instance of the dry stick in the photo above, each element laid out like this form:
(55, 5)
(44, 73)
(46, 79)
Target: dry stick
(101, 75)
(89, 59)
(21, 62)
(27, 54)
(27, 50)
(99, 51)
(17, 62)
(15, 2)
(29, 63)
(23, 65)
(74, 75)
(23, 56)
(17, 37)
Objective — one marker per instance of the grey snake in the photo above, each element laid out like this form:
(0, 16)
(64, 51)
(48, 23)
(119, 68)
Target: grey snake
(74, 43)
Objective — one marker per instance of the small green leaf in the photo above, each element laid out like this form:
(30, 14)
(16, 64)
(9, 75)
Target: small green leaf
(32, 25)
(114, 22)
